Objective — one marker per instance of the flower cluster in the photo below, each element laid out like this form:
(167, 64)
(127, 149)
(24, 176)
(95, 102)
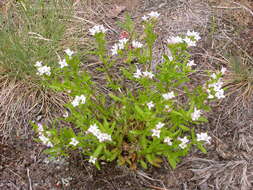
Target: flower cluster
(138, 74)
(196, 114)
(45, 140)
(190, 39)
(184, 142)
(78, 100)
(151, 15)
(42, 69)
(215, 88)
(102, 137)
(137, 44)
(169, 95)
(119, 46)
(157, 130)
(97, 29)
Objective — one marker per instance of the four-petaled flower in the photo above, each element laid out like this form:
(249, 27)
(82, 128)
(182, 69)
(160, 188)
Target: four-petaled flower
(168, 141)
(92, 160)
(183, 143)
(193, 34)
(168, 95)
(78, 100)
(156, 133)
(191, 63)
(73, 141)
(150, 105)
(223, 70)
(69, 52)
(137, 44)
(63, 63)
(189, 42)
(42, 70)
(159, 125)
(175, 40)
(204, 137)
(138, 74)
(97, 29)
(154, 14)
(148, 74)
(196, 114)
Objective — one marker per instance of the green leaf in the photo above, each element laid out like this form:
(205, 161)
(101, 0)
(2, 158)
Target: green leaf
(184, 128)
(143, 164)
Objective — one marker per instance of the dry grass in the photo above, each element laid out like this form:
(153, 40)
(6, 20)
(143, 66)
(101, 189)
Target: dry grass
(23, 101)
(225, 175)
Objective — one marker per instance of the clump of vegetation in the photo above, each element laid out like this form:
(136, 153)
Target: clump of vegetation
(31, 30)
(143, 117)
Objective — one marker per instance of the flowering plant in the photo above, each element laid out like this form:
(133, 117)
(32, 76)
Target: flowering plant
(151, 108)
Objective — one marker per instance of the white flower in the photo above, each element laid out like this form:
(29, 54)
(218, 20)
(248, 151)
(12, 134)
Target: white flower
(74, 142)
(97, 29)
(45, 140)
(189, 42)
(154, 14)
(217, 86)
(38, 64)
(191, 63)
(175, 40)
(138, 73)
(220, 94)
(145, 18)
(66, 114)
(102, 137)
(82, 99)
(94, 130)
(44, 70)
(203, 137)
(167, 108)
(148, 74)
(196, 114)
(63, 63)
(115, 49)
(223, 70)
(78, 100)
(214, 76)
(159, 125)
(123, 41)
(168, 141)
(119, 46)
(170, 58)
(210, 96)
(183, 143)
(92, 160)
(40, 127)
(137, 44)
(150, 105)
(168, 95)
(193, 34)
(156, 133)
(69, 52)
